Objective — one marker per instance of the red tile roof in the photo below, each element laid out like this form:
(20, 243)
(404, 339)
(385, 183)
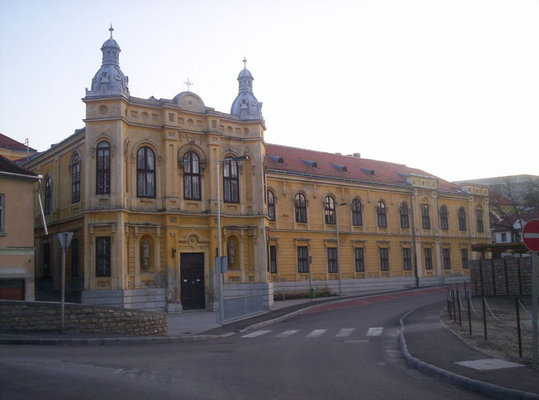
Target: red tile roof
(336, 166)
(8, 166)
(12, 144)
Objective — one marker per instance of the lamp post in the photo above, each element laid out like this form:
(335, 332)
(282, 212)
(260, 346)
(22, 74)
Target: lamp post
(219, 262)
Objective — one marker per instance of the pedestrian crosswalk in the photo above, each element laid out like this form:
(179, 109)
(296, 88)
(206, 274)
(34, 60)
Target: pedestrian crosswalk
(316, 333)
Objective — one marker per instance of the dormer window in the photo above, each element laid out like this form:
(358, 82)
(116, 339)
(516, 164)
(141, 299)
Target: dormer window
(310, 163)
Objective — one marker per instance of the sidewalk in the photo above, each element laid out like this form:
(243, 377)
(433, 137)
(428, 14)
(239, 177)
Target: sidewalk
(426, 344)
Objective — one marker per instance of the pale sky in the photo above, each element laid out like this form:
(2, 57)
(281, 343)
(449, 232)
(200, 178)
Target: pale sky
(450, 87)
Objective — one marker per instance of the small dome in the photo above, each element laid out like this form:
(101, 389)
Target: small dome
(245, 74)
(110, 43)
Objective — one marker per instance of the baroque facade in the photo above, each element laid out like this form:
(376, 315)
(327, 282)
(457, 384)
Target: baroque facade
(147, 183)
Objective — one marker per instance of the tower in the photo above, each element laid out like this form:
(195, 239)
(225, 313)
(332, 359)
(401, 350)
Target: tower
(246, 106)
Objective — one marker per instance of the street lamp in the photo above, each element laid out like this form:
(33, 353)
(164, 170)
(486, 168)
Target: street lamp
(219, 262)
(339, 249)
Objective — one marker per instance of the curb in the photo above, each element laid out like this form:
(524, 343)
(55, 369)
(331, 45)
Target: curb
(487, 389)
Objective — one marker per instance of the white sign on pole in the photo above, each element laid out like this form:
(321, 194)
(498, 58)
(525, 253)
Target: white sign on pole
(65, 239)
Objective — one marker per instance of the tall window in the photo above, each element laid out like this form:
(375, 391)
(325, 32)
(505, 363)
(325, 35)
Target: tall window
(444, 219)
(357, 216)
(333, 266)
(425, 216)
(102, 256)
(464, 258)
(446, 256)
(405, 218)
(381, 212)
(479, 219)
(428, 258)
(231, 181)
(46, 260)
(272, 264)
(145, 172)
(75, 264)
(191, 176)
(271, 205)
(75, 178)
(407, 258)
(48, 195)
(329, 210)
(301, 208)
(359, 256)
(2, 211)
(384, 259)
(102, 175)
(462, 219)
(303, 259)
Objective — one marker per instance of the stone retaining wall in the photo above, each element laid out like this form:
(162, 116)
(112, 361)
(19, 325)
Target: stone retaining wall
(78, 318)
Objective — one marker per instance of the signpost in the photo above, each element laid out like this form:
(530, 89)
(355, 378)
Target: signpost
(65, 240)
(530, 236)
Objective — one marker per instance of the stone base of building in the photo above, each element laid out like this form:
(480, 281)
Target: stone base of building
(142, 299)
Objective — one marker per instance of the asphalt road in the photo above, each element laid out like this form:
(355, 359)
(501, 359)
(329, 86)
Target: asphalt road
(346, 351)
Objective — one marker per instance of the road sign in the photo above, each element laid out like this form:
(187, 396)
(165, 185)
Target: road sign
(65, 239)
(530, 235)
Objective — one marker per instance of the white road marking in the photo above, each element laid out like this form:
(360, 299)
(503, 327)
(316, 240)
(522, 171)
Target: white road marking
(316, 333)
(375, 331)
(256, 334)
(345, 332)
(287, 333)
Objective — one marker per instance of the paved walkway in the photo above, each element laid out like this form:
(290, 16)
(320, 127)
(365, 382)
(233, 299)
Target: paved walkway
(426, 344)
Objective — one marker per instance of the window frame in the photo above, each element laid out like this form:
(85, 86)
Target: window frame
(271, 205)
(357, 213)
(272, 259)
(333, 260)
(330, 217)
(300, 208)
(75, 178)
(102, 168)
(359, 259)
(427, 253)
(2, 212)
(381, 214)
(384, 259)
(479, 220)
(404, 212)
(446, 257)
(406, 258)
(48, 196)
(465, 260)
(103, 257)
(425, 216)
(231, 181)
(302, 253)
(462, 219)
(444, 218)
(192, 179)
(146, 173)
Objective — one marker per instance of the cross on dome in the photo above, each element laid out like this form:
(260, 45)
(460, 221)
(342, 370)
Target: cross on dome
(111, 29)
(244, 63)
(189, 84)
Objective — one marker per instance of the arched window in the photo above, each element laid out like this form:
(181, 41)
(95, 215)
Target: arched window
(329, 210)
(231, 181)
(444, 220)
(48, 196)
(357, 214)
(479, 219)
(102, 175)
(145, 172)
(271, 205)
(301, 208)
(462, 219)
(75, 178)
(404, 214)
(425, 216)
(191, 176)
(381, 212)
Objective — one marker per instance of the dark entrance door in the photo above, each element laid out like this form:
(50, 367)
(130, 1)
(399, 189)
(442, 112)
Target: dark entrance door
(192, 278)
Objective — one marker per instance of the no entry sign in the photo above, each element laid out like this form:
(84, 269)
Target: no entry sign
(530, 235)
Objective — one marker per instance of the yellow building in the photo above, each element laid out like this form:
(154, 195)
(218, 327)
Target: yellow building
(140, 186)
(13, 150)
(16, 232)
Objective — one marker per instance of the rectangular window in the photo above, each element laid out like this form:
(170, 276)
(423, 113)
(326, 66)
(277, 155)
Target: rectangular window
(272, 265)
(384, 259)
(479, 217)
(303, 259)
(2, 211)
(359, 255)
(75, 258)
(464, 257)
(446, 255)
(332, 260)
(407, 258)
(102, 256)
(504, 237)
(428, 258)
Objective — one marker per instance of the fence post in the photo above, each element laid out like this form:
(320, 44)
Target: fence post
(449, 303)
(469, 312)
(484, 318)
(518, 328)
(459, 308)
